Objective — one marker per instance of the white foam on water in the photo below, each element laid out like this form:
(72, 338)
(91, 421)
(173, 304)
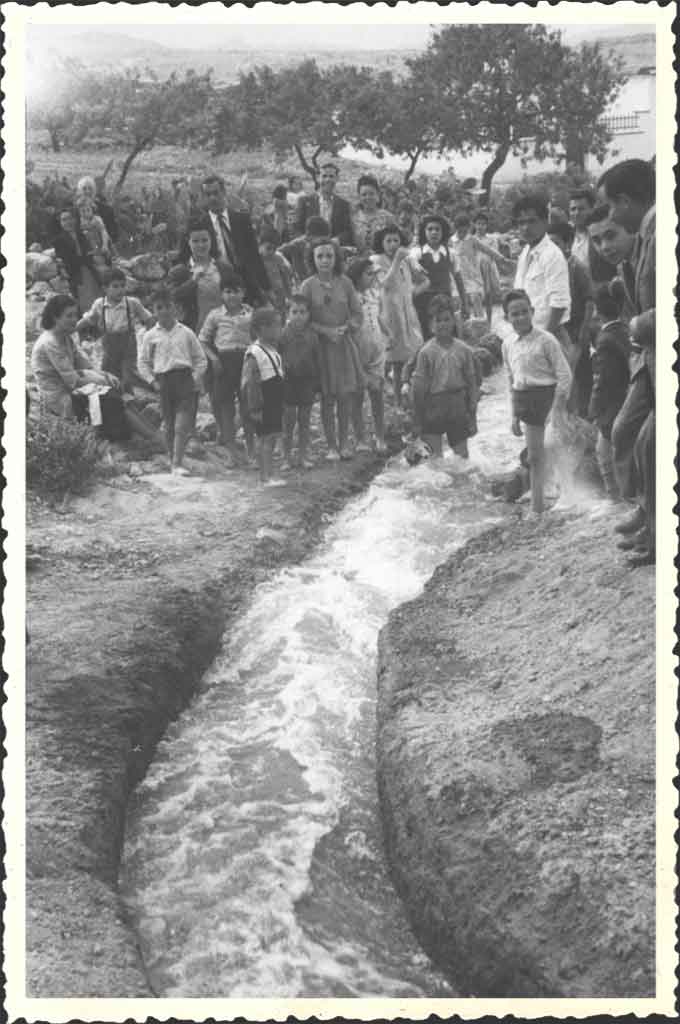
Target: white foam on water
(252, 864)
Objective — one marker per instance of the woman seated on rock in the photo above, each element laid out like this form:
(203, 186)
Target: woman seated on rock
(60, 367)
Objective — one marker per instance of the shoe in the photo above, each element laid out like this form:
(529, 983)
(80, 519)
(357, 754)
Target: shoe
(286, 466)
(642, 557)
(632, 523)
(274, 482)
(346, 454)
(306, 464)
(332, 456)
(180, 471)
(380, 447)
(638, 542)
(363, 447)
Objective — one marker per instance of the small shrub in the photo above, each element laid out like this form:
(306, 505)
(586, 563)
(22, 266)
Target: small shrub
(61, 456)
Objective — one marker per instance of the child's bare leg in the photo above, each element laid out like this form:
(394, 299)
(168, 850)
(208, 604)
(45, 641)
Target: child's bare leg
(461, 448)
(266, 456)
(304, 417)
(435, 443)
(344, 408)
(328, 420)
(183, 426)
(396, 382)
(357, 406)
(536, 459)
(378, 413)
(289, 420)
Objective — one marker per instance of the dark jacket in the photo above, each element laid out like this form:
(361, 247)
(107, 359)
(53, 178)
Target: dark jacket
(611, 375)
(107, 214)
(66, 250)
(341, 217)
(246, 254)
(600, 270)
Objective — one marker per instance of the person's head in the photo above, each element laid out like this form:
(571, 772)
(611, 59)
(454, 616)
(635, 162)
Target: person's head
(368, 191)
(611, 240)
(405, 214)
(86, 187)
(643, 328)
(280, 194)
(388, 239)
(531, 216)
(361, 273)
(265, 325)
(67, 220)
(518, 310)
(295, 183)
(462, 225)
(434, 231)
(442, 316)
(328, 176)
(113, 282)
(60, 314)
(163, 306)
(324, 257)
(581, 205)
(231, 285)
(268, 240)
(214, 191)
(562, 235)
(629, 189)
(299, 311)
(198, 234)
(316, 227)
(609, 299)
(481, 223)
(556, 215)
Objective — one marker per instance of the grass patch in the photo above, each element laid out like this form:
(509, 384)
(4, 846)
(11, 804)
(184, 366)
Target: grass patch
(61, 457)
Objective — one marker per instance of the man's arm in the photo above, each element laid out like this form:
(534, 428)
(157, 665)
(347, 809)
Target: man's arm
(558, 290)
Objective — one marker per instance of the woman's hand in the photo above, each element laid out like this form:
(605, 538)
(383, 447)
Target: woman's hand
(516, 428)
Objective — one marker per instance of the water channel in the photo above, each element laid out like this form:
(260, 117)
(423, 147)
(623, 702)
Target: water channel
(253, 863)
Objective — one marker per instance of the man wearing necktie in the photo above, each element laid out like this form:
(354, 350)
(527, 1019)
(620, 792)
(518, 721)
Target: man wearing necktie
(232, 240)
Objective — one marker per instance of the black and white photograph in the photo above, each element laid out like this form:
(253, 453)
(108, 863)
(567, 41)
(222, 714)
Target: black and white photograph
(339, 609)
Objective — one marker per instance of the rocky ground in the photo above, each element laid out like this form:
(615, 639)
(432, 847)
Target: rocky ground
(517, 763)
(129, 592)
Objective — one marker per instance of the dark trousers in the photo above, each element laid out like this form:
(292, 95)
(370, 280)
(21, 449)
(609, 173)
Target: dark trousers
(627, 425)
(645, 468)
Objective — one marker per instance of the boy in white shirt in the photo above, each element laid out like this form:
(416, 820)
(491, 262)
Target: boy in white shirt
(539, 378)
(172, 355)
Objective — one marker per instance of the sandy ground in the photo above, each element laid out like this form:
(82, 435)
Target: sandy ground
(130, 593)
(516, 753)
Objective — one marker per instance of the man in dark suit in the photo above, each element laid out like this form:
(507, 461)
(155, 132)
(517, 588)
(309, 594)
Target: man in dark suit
(232, 240)
(581, 206)
(324, 203)
(629, 188)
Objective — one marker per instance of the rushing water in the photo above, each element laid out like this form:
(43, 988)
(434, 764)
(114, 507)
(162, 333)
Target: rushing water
(253, 864)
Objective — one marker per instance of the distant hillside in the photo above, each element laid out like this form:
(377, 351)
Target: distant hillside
(114, 51)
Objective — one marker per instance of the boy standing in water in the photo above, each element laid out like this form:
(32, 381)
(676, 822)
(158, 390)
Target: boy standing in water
(539, 378)
(444, 383)
(262, 387)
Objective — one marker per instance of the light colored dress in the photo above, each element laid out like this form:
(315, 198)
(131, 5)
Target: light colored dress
(397, 311)
(372, 341)
(56, 363)
(366, 224)
(334, 305)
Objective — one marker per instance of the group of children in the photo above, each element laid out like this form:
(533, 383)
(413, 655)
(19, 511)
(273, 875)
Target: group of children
(333, 336)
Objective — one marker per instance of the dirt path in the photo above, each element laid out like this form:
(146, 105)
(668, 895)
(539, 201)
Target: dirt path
(132, 591)
(516, 748)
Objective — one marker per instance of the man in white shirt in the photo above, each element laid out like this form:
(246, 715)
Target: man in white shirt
(542, 271)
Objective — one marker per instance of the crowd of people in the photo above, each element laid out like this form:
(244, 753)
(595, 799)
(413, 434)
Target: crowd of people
(322, 299)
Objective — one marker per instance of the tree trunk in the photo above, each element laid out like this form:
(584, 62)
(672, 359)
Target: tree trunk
(54, 139)
(414, 157)
(574, 149)
(311, 169)
(489, 171)
(132, 155)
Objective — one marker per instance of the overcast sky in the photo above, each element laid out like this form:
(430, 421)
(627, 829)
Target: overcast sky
(282, 37)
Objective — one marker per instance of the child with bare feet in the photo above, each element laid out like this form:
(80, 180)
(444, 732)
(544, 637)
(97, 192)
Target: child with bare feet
(262, 388)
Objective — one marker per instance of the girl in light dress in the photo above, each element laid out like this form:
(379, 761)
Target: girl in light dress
(100, 247)
(371, 340)
(337, 315)
(398, 278)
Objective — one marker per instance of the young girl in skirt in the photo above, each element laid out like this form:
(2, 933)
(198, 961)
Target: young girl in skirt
(337, 315)
(361, 273)
(440, 265)
(540, 378)
(262, 387)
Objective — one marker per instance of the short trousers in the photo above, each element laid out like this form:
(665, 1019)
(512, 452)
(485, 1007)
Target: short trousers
(300, 390)
(177, 393)
(532, 405)
(447, 413)
(272, 410)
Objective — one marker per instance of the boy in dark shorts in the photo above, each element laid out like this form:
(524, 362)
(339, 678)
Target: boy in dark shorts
(173, 357)
(444, 384)
(262, 387)
(301, 378)
(225, 336)
(539, 378)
